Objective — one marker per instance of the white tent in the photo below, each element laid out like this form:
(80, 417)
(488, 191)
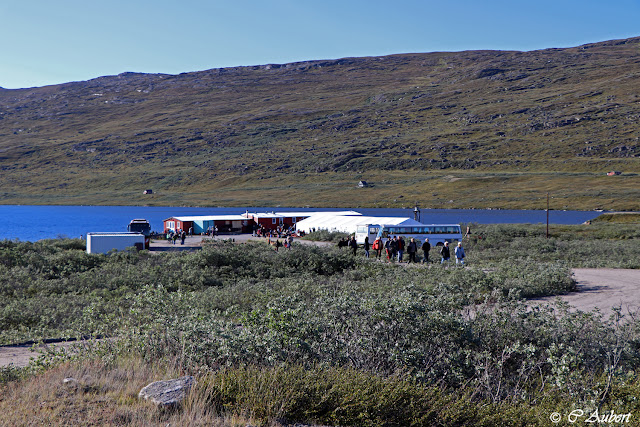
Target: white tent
(347, 223)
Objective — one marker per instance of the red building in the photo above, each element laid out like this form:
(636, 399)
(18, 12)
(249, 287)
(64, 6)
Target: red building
(271, 220)
(266, 220)
(203, 224)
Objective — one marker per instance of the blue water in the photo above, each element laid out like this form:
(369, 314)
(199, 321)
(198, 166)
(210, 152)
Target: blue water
(31, 223)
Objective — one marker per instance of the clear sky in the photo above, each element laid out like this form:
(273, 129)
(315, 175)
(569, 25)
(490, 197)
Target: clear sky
(45, 42)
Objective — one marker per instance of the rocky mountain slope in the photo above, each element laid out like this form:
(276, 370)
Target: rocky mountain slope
(462, 129)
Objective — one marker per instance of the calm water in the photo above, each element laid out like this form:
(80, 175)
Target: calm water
(43, 222)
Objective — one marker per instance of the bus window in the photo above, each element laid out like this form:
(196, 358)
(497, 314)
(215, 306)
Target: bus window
(361, 229)
(374, 230)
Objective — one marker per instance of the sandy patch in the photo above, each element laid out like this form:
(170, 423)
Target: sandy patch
(603, 288)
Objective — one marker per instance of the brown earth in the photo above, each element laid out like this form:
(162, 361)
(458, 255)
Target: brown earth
(20, 355)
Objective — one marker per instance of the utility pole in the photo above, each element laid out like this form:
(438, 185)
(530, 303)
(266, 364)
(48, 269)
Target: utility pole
(547, 215)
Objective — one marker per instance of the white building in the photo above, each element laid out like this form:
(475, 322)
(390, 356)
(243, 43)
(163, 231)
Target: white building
(101, 243)
(336, 221)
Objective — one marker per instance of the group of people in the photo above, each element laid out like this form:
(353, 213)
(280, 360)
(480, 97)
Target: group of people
(288, 242)
(280, 231)
(178, 234)
(445, 253)
(396, 246)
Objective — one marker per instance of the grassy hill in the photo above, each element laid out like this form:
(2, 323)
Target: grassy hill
(464, 129)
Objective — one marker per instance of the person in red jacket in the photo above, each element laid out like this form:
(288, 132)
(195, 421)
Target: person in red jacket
(377, 246)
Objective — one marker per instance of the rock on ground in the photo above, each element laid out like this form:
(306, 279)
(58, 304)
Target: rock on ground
(168, 392)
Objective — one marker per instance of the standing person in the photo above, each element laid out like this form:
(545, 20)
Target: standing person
(387, 248)
(174, 237)
(393, 247)
(426, 247)
(377, 246)
(366, 247)
(412, 248)
(445, 254)
(290, 241)
(183, 236)
(400, 248)
(459, 251)
(353, 245)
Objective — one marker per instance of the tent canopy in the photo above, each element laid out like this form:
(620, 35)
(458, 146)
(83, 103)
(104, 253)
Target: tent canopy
(348, 223)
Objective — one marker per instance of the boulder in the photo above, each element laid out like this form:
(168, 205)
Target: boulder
(168, 392)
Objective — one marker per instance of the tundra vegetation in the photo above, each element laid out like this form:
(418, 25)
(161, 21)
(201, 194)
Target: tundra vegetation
(448, 129)
(315, 335)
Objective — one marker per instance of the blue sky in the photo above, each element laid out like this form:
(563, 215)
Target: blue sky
(46, 42)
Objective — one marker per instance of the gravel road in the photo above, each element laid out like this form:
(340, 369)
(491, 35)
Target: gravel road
(603, 288)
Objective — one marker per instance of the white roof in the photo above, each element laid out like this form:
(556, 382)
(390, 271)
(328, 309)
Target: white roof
(263, 214)
(209, 218)
(349, 223)
(338, 213)
(295, 214)
(298, 214)
(114, 233)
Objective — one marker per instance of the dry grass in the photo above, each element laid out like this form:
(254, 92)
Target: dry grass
(104, 395)
(618, 217)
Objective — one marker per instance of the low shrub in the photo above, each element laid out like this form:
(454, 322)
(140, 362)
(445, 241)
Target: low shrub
(325, 236)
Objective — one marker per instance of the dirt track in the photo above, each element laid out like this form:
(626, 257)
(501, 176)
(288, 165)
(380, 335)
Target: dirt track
(20, 355)
(597, 288)
(603, 288)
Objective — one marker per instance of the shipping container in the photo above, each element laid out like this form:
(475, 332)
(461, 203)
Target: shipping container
(101, 243)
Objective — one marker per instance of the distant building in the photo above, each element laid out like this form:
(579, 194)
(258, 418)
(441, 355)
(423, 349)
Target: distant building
(203, 224)
(271, 220)
(612, 173)
(363, 184)
(148, 192)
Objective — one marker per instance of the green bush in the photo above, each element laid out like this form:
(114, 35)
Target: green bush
(325, 236)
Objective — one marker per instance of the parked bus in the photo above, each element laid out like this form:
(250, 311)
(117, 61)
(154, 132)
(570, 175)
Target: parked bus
(436, 233)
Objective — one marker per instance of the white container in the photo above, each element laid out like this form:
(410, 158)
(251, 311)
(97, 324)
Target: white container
(101, 243)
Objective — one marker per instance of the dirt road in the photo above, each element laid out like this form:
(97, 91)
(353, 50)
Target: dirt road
(20, 355)
(603, 288)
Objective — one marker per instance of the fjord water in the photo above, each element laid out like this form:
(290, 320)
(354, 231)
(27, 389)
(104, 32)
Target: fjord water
(31, 223)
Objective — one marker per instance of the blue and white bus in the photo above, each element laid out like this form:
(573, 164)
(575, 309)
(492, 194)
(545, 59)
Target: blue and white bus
(436, 233)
